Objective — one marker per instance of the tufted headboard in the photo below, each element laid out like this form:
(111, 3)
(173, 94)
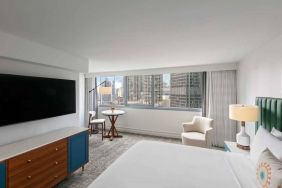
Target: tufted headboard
(270, 113)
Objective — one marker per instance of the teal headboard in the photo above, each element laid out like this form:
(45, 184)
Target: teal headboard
(270, 113)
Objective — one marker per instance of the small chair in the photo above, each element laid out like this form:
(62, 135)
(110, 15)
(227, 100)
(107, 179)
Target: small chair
(93, 122)
(198, 133)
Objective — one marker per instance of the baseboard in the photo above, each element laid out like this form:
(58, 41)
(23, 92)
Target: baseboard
(149, 132)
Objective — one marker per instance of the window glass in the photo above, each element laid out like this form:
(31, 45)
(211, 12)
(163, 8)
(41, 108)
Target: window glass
(178, 95)
(119, 90)
(171, 90)
(162, 90)
(195, 93)
(139, 90)
(115, 84)
(186, 90)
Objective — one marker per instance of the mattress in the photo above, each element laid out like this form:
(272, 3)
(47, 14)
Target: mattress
(163, 165)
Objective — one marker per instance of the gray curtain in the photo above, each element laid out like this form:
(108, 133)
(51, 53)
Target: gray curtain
(221, 90)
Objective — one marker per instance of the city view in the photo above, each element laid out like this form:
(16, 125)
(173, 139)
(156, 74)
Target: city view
(176, 90)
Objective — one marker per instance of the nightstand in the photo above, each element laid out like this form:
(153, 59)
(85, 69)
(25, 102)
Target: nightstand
(232, 147)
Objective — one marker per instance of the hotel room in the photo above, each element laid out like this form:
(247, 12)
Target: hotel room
(134, 94)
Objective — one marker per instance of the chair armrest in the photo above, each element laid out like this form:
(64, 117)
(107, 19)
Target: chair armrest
(188, 127)
(209, 137)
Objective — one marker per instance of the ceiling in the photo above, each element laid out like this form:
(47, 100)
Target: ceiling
(140, 34)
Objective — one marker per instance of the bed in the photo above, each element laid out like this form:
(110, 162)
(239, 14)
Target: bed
(163, 165)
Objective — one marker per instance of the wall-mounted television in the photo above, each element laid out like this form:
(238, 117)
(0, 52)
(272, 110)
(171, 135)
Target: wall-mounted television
(26, 98)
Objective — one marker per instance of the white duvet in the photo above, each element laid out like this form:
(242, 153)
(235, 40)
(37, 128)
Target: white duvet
(163, 165)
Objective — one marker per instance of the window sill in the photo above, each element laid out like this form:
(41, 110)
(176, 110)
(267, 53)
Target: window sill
(154, 108)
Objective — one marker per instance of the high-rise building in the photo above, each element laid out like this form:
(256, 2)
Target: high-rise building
(186, 91)
(194, 96)
(178, 91)
(158, 88)
(140, 89)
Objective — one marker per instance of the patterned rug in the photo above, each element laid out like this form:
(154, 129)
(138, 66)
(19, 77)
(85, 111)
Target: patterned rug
(102, 154)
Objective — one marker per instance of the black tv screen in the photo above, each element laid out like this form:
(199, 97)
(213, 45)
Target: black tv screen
(25, 98)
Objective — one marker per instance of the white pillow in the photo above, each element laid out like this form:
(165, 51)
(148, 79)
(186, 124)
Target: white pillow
(269, 170)
(263, 139)
(276, 133)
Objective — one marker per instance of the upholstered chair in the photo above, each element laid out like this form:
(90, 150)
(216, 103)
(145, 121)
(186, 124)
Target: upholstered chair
(198, 133)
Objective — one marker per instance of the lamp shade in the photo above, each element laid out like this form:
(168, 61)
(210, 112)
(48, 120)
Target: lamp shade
(240, 112)
(105, 90)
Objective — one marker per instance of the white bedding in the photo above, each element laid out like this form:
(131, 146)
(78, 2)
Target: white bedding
(163, 165)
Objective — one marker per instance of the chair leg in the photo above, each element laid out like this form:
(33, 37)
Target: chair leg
(90, 129)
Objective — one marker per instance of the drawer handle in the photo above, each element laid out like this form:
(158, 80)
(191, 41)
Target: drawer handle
(56, 163)
(57, 149)
(29, 160)
(28, 177)
(56, 177)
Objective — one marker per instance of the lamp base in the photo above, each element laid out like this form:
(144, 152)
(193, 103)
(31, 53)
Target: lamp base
(242, 138)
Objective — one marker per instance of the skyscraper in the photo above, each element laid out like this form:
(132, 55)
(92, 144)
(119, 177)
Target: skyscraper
(158, 88)
(194, 97)
(140, 89)
(186, 91)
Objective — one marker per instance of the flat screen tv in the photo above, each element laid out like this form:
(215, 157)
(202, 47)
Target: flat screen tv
(25, 98)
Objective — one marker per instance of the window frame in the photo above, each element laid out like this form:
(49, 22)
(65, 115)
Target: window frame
(152, 105)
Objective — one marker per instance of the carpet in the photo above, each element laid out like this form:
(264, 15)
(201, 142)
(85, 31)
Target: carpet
(102, 154)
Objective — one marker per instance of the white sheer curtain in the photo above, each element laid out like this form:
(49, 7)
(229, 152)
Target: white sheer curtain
(221, 90)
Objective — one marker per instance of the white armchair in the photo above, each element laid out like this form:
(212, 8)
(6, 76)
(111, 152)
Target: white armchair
(199, 132)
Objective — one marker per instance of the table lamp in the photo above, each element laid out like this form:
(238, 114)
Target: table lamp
(243, 113)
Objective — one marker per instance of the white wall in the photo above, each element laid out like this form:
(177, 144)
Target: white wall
(24, 130)
(260, 75)
(22, 49)
(165, 123)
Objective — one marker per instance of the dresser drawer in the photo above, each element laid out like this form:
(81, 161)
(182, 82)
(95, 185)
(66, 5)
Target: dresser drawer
(47, 178)
(55, 176)
(28, 159)
(48, 161)
(32, 168)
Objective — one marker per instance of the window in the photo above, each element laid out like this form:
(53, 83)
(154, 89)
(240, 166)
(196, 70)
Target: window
(117, 95)
(139, 90)
(119, 90)
(162, 91)
(186, 90)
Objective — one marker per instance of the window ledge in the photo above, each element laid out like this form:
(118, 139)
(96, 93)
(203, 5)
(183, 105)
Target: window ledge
(154, 108)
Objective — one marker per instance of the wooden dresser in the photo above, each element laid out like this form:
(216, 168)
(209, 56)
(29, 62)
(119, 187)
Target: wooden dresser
(45, 160)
